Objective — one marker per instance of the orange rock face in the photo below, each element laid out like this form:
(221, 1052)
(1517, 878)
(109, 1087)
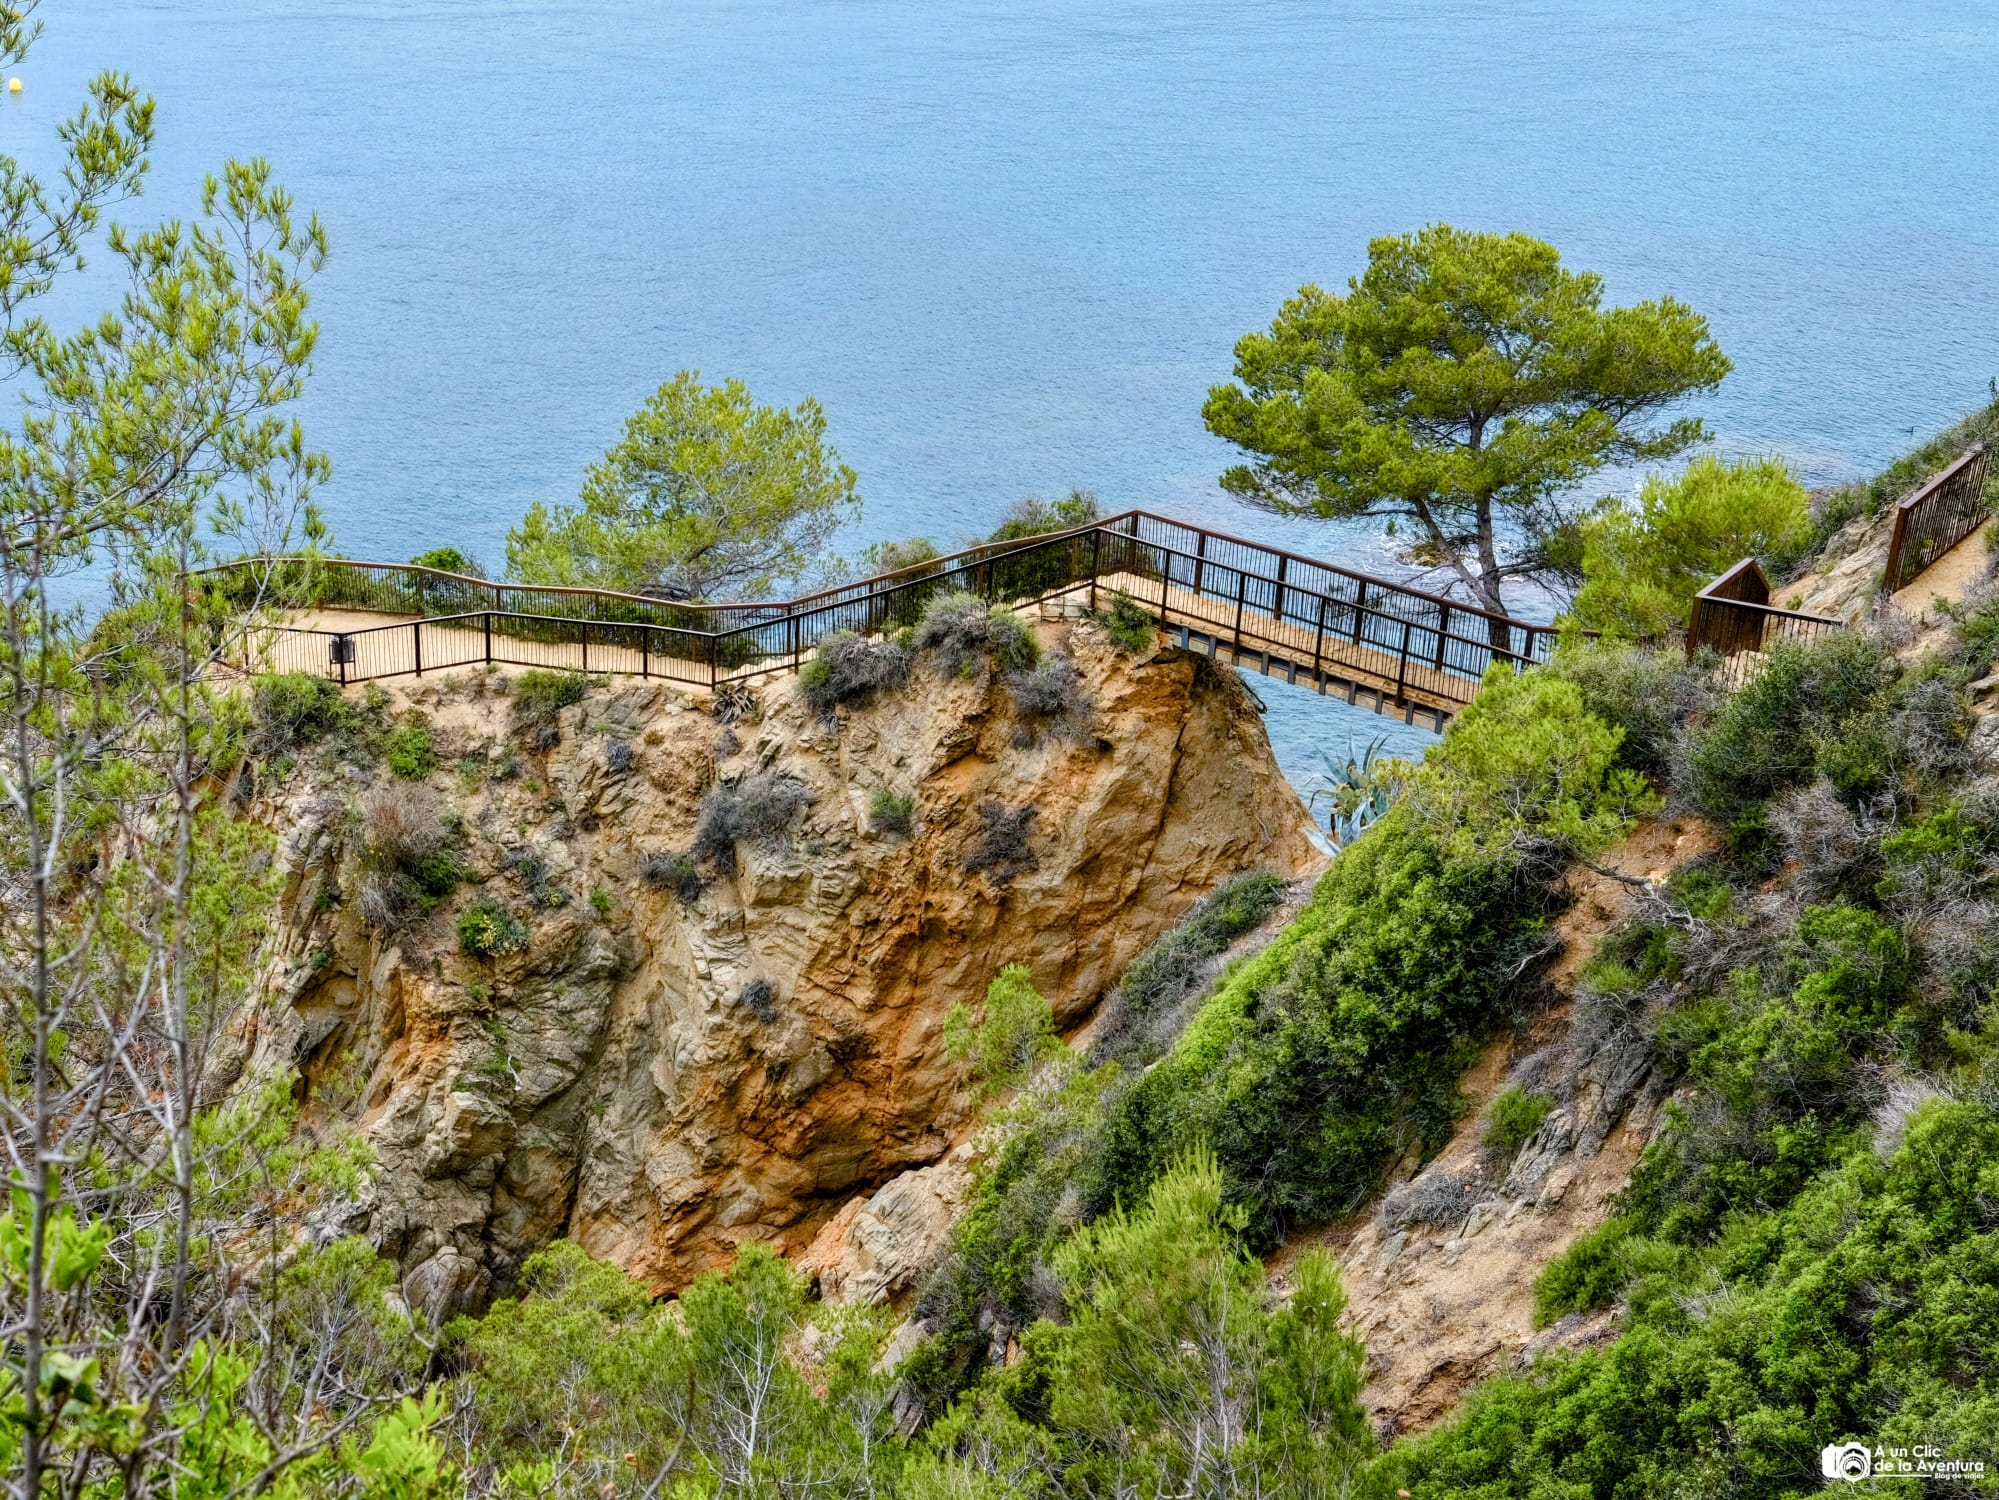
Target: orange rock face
(663, 1078)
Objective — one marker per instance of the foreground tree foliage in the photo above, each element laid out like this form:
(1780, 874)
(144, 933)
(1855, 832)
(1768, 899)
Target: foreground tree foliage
(1459, 391)
(1642, 566)
(157, 1341)
(707, 496)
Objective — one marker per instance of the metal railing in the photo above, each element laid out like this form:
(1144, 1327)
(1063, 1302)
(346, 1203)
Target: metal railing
(1734, 615)
(1403, 644)
(1948, 507)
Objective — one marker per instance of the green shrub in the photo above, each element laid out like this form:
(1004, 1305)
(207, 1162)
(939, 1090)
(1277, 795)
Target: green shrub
(409, 751)
(448, 560)
(1141, 1015)
(1014, 1033)
(1641, 568)
(486, 929)
(849, 668)
(1513, 1117)
(965, 631)
(1649, 694)
(1339, 1046)
(1586, 1276)
(671, 870)
(1814, 706)
(291, 709)
(540, 697)
(892, 812)
(1128, 625)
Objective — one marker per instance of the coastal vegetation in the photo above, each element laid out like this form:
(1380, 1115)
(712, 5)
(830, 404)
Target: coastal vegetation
(1806, 1252)
(1458, 392)
(706, 496)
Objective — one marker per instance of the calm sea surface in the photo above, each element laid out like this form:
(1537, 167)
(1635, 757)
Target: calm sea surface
(1009, 246)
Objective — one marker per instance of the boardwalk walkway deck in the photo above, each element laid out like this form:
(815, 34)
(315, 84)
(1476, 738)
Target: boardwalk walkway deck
(1396, 649)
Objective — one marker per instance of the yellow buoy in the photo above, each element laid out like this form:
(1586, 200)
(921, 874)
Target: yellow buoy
(13, 85)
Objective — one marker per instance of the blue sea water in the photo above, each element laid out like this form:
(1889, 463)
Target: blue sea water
(1009, 246)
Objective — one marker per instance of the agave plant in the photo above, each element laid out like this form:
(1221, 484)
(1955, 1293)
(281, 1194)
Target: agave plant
(1359, 790)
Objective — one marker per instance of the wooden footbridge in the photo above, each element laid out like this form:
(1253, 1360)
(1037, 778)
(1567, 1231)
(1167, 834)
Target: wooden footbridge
(1374, 642)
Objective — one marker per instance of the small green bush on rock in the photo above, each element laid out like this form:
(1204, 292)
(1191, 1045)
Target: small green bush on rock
(409, 750)
(290, 709)
(850, 668)
(487, 929)
(1128, 625)
(964, 631)
(892, 812)
(1512, 1118)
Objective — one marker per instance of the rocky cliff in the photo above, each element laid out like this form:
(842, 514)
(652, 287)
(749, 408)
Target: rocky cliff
(667, 1056)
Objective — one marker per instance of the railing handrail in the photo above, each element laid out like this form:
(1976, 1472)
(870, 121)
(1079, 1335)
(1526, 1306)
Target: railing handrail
(1302, 590)
(1769, 609)
(892, 581)
(1937, 480)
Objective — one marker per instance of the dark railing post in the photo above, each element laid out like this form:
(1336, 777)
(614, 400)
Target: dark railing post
(713, 657)
(1402, 667)
(1200, 559)
(1241, 591)
(1096, 538)
(585, 627)
(416, 644)
(1443, 630)
(489, 637)
(1318, 642)
(1359, 611)
(645, 651)
(1277, 595)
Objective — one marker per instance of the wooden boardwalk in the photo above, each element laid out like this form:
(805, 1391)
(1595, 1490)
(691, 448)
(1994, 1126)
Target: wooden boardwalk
(1376, 642)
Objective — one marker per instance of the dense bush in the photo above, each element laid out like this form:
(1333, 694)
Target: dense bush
(1651, 695)
(850, 668)
(410, 855)
(1128, 625)
(1340, 1045)
(1865, 1309)
(408, 749)
(965, 631)
(1014, 1033)
(1144, 1012)
(1050, 696)
(757, 809)
(1642, 567)
(291, 709)
(486, 929)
